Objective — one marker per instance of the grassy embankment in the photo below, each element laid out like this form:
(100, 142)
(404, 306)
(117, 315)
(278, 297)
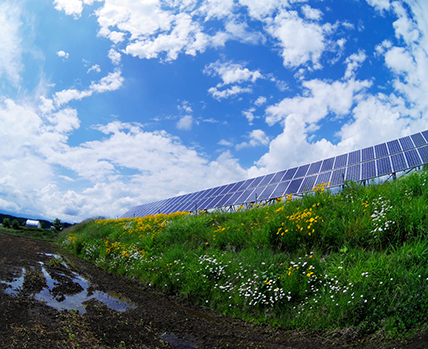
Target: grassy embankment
(356, 259)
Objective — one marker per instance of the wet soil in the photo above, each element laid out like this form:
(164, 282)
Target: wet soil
(51, 299)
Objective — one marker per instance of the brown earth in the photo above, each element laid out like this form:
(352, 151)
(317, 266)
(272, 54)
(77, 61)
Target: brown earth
(28, 270)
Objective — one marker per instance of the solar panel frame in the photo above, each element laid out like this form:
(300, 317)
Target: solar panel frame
(425, 134)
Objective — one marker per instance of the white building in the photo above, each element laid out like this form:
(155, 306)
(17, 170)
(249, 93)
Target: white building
(32, 224)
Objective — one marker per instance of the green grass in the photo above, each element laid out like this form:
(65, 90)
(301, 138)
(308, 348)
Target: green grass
(33, 233)
(355, 259)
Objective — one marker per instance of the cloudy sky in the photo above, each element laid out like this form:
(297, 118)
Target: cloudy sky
(108, 104)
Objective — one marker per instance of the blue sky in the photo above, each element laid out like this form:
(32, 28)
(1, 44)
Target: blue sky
(108, 104)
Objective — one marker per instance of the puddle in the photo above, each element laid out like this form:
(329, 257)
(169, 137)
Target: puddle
(63, 292)
(177, 343)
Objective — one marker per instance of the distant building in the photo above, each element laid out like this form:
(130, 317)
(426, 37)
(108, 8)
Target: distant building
(32, 224)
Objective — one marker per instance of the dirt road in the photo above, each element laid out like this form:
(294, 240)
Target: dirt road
(51, 299)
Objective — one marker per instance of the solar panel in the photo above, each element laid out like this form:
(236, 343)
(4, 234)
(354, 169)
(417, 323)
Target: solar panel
(294, 186)
(368, 170)
(406, 143)
(367, 154)
(340, 161)
(280, 190)
(301, 172)
(398, 162)
(314, 168)
(308, 184)
(412, 158)
(323, 178)
(338, 177)
(290, 174)
(383, 166)
(354, 157)
(266, 194)
(394, 147)
(382, 159)
(278, 176)
(327, 165)
(423, 152)
(418, 139)
(246, 184)
(256, 182)
(353, 173)
(266, 180)
(381, 150)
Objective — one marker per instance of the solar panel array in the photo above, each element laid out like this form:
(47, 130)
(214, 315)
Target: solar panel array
(360, 165)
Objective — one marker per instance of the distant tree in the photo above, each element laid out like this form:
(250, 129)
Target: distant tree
(15, 224)
(6, 223)
(57, 224)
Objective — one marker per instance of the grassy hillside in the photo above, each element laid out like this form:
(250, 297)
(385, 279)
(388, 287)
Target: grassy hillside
(355, 259)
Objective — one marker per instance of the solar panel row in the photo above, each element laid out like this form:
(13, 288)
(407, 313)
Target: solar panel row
(371, 162)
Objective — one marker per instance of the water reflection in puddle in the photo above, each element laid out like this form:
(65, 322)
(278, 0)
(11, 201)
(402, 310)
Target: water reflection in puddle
(57, 294)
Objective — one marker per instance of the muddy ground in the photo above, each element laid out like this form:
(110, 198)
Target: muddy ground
(46, 303)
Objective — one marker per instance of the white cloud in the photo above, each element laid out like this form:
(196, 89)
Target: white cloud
(301, 42)
(95, 67)
(225, 143)
(260, 101)
(249, 115)
(63, 54)
(319, 99)
(70, 7)
(380, 5)
(231, 92)
(10, 43)
(216, 8)
(256, 138)
(231, 73)
(353, 62)
(311, 13)
(111, 82)
(185, 123)
(114, 56)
